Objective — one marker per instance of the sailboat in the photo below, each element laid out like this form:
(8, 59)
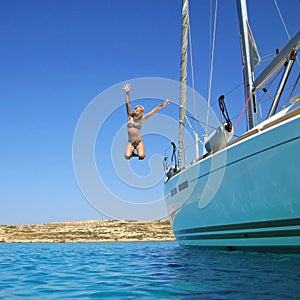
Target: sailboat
(243, 193)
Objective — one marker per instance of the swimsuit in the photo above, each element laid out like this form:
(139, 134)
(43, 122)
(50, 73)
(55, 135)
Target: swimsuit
(136, 142)
(134, 125)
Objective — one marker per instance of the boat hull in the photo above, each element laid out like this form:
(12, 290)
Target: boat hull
(246, 196)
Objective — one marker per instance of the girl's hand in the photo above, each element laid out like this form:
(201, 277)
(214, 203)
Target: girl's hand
(126, 87)
(166, 102)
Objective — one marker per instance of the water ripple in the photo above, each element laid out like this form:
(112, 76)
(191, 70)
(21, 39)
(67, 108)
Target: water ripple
(143, 271)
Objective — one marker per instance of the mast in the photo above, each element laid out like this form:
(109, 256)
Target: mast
(246, 43)
(183, 77)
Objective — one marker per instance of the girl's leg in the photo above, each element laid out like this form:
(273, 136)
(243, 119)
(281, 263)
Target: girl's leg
(129, 151)
(141, 150)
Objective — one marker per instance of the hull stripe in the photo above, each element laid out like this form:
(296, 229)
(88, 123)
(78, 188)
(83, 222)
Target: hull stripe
(242, 226)
(260, 234)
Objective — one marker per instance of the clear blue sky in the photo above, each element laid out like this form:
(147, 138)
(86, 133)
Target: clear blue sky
(57, 56)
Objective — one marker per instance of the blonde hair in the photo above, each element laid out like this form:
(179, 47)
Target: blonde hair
(142, 107)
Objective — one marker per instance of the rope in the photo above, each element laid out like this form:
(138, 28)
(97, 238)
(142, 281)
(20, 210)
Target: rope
(267, 87)
(194, 132)
(200, 122)
(282, 20)
(267, 57)
(292, 91)
(211, 64)
(284, 25)
(242, 112)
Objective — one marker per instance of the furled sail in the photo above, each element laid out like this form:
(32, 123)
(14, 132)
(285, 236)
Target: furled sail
(183, 77)
(254, 55)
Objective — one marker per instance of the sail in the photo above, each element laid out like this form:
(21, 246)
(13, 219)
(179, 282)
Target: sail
(183, 77)
(254, 55)
(247, 47)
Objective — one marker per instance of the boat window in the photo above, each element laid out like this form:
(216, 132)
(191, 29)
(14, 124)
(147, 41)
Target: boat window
(183, 185)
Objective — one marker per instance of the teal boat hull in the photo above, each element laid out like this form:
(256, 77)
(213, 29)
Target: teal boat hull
(246, 196)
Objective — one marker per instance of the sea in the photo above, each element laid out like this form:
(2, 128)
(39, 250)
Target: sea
(143, 270)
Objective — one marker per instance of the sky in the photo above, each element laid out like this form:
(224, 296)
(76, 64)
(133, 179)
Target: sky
(62, 67)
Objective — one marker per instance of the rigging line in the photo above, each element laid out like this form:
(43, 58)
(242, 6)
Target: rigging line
(292, 91)
(227, 93)
(194, 132)
(280, 70)
(265, 60)
(211, 64)
(202, 123)
(167, 149)
(192, 145)
(192, 69)
(267, 57)
(242, 112)
(267, 87)
(284, 25)
(282, 20)
(232, 90)
(210, 21)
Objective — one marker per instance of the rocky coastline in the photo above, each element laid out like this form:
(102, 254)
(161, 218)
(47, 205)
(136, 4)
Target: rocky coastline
(88, 231)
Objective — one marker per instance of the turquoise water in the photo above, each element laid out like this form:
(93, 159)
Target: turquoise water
(143, 271)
